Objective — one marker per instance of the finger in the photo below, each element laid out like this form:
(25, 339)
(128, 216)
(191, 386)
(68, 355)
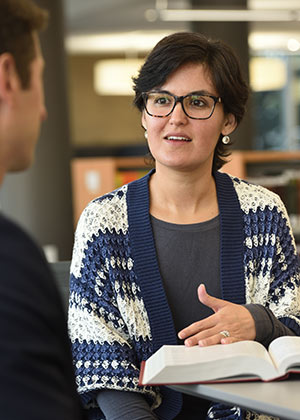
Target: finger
(229, 340)
(211, 334)
(211, 340)
(197, 327)
(217, 339)
(214, 303)
(194, 340)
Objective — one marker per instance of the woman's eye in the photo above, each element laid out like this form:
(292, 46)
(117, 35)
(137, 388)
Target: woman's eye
(162, 100)
(198, 102)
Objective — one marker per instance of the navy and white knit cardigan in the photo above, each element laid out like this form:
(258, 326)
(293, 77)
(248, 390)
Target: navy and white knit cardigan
(119, 314)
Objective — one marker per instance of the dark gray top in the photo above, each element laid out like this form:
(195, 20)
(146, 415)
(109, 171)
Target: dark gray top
(187, 256)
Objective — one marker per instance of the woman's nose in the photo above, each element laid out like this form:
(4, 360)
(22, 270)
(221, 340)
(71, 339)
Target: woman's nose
(178, 116)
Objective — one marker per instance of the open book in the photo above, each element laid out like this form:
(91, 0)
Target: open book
(241, 361)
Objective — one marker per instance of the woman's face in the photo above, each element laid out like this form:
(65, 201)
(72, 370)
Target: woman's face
(178, 141)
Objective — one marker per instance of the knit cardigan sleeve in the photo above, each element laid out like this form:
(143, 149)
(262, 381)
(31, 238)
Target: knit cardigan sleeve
(271, 262)
(108, 323)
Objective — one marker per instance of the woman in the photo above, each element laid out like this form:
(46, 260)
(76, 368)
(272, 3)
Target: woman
(141, 251)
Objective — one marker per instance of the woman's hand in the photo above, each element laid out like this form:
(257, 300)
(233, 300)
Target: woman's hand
(228, 318)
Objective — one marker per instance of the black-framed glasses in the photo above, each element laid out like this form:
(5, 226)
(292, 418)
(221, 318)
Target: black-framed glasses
(197, 105)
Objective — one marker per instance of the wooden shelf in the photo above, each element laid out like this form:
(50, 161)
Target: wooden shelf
(94, 177)
(238, 160)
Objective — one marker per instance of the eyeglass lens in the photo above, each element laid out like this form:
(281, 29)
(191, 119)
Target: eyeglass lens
(196, 106)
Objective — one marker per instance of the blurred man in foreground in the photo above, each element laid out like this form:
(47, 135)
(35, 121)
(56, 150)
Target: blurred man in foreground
(36, 373)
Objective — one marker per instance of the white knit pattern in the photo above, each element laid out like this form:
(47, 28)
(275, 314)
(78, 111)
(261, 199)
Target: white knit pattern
(107, 214)
(252, 197)
(133, 312)
(86, 325)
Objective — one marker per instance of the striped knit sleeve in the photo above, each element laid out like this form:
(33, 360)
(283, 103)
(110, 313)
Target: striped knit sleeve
(270, 257)
(108, 323)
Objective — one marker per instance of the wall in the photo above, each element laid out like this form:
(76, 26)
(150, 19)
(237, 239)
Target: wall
(95, 119)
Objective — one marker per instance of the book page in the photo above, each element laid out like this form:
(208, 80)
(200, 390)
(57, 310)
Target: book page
(180, 364)
(187, 355)
(285, 352)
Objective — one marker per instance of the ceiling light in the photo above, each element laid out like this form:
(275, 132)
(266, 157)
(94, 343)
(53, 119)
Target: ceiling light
(123, 42)
(114, 77)
(293, 45)
(267, 73)
(151, 15)
(228, 15)
(275, 4)
(278, 41)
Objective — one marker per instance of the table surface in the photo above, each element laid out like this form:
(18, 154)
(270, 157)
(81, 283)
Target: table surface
(280, 398)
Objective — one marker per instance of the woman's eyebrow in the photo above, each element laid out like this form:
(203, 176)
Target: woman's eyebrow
(201, 92)
(157, 90)
(196, 92)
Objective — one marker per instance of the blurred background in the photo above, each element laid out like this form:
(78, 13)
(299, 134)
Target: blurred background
(93, 141)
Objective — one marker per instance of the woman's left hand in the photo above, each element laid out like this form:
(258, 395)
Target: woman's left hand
(229, 318)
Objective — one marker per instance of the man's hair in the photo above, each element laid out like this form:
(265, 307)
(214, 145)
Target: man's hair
(18, 20)
(180, 48)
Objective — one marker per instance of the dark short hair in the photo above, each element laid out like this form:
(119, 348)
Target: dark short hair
(18, 20)
(180, 48)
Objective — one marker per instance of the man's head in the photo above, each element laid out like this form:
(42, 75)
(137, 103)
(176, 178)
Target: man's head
(21, 89)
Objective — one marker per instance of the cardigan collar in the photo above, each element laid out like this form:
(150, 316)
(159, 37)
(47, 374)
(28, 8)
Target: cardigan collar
(146, 264)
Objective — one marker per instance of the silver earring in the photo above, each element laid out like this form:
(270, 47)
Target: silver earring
(146, 134)
(226, 139)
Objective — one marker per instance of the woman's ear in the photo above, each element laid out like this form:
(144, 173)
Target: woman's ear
(144, 121)
(230, 124)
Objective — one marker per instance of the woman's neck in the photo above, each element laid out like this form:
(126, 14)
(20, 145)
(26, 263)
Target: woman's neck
(183, 198)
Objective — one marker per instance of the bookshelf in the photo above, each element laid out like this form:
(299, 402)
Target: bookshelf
(240, 161)
(95, 176)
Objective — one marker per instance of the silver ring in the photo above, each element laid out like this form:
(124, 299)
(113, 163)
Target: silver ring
(225, 333)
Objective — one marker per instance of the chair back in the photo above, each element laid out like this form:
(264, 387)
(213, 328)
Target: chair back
(61, 272)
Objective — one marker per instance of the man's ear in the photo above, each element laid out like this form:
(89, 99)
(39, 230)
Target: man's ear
(230, 124)
(9, 79)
